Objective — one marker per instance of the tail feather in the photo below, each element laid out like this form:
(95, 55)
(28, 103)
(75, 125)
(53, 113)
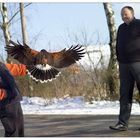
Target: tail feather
(41, 73)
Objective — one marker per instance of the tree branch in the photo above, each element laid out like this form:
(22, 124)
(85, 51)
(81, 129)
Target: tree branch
(17, 13)
(0, 25)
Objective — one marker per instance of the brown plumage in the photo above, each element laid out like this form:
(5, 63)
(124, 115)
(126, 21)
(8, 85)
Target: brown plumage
(42, 65)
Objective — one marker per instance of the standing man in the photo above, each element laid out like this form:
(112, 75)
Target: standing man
(128, 55)
(11, 114)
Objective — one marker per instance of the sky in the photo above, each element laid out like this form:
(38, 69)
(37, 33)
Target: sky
(54, 26)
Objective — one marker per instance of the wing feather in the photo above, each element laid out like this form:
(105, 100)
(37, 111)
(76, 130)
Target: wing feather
(23, 53)
(65, 57)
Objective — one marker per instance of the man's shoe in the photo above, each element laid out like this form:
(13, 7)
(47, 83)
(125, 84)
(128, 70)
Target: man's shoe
(119, 127)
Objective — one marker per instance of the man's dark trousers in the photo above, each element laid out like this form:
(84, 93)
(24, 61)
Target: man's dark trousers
(11, 116)
(129, 74)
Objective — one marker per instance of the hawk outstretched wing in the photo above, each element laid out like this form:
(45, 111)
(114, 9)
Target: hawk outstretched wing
(43, 65)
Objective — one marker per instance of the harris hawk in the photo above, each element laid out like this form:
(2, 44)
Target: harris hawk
(42, 65)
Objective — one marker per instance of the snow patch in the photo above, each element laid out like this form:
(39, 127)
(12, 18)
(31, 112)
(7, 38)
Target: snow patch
(75, 105)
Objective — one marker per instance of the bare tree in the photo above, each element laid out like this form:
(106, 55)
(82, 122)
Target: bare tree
(25, 39)
(6, 22)
(112, 67)
(23, 24)
(5, 25)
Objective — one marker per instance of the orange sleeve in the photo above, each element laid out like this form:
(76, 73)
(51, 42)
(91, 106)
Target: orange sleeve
(17, 69)
(2, 94)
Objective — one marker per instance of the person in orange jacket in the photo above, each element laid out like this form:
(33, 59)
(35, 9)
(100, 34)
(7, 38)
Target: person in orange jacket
(11, 114)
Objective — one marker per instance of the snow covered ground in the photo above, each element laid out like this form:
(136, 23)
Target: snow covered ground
(75, 105)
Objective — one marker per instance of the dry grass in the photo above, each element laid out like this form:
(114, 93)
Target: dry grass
(89, 83)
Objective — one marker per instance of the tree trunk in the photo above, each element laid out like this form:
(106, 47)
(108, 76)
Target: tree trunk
(5, 26)
(25, 41)
(23, 24)
(112, 67)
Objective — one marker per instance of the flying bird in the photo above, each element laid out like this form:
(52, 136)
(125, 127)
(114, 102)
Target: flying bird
(42, 65)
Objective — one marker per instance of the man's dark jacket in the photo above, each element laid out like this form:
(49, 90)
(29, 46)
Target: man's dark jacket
(128, 42)
(9, 84)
